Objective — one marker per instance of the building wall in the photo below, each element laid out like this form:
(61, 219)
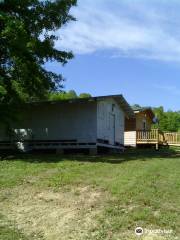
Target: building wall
(64, 121)
(107, 112)
(130, 138)
(84, 122)
(130, 124)
(140, 118)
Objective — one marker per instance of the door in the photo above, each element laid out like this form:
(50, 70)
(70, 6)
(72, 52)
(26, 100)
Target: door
(112, 129)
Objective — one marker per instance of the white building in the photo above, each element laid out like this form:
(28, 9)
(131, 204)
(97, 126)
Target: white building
(88, 123)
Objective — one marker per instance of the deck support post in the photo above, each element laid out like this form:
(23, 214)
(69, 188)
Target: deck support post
(157, 146)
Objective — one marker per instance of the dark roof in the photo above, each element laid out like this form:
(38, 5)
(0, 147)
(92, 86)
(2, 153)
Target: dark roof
(143, 109)
(118, 98)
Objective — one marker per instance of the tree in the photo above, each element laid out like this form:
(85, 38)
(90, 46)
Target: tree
(27, 40)
(62, 95)
(67, 95)
(84, 95)
(71, 94)
(167, 121)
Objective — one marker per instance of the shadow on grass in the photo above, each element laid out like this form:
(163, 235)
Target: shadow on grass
(128, 155)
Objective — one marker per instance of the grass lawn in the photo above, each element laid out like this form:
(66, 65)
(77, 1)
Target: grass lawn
(86, 197)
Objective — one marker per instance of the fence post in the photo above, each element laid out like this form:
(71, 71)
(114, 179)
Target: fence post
(157, 138)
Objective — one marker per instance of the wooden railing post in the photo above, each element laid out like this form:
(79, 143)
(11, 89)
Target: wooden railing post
(157, 138)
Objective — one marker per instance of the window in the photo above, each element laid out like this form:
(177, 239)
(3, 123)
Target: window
(144, 125)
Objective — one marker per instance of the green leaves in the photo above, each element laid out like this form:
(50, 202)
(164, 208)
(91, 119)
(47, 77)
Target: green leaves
(2, 91)
(67, 95)
(168, 121)
(84, 95)
(27, 42)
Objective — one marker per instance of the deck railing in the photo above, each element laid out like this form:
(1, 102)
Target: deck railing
(158, 137)
(151, 136)
(172, 138)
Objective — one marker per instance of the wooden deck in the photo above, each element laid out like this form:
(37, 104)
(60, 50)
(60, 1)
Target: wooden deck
(157, 137)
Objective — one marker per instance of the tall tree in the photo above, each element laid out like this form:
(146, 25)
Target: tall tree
(27, 42)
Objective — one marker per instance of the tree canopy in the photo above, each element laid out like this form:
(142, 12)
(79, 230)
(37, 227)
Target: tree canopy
(167, 121)
(84, 95)
(27, 40)
(67, 95)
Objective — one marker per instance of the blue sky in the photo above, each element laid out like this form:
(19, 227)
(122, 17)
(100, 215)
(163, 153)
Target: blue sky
(130, 47)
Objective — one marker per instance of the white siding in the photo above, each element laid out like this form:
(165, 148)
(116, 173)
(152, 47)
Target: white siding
(104, 121)
(68, 121)
(84, 121)
(130, 138)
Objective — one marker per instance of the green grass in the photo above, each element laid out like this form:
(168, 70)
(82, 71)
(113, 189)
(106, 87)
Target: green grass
(143, 187)
(8, 230)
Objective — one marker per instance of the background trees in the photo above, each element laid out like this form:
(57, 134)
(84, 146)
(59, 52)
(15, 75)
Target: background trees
(67, 95)
(168, 121)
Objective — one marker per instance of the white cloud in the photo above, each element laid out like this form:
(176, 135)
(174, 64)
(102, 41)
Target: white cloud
(127, 28)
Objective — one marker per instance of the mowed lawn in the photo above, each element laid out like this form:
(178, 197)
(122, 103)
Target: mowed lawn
(55, 197)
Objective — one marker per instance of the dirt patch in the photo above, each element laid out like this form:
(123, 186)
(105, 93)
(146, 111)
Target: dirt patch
(54, 215)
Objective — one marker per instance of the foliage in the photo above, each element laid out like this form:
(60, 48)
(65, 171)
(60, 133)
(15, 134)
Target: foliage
(67, 95)
(84, 95)
(167, 121)
(27, 39)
